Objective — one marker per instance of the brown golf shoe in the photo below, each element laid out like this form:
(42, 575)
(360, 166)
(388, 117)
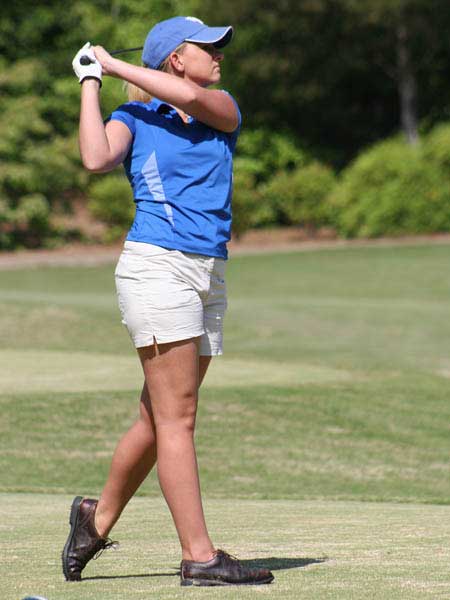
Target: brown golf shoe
(223, 569)
(83, 542)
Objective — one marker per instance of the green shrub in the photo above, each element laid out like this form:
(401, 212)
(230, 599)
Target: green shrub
(391, 189)
(26, 223)
(111, 201)
(270, 151)
(56, 167)
(436, 145)
(260, 153)
(32, 211)
(300, 196)
(248, 208)
(40, 170)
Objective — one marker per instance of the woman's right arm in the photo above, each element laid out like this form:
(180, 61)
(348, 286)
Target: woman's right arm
(102, 147)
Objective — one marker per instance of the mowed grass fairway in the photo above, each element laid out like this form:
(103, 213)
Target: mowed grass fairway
(323, 433)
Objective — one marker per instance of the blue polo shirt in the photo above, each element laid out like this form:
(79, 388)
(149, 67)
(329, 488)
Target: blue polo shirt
(181, 176)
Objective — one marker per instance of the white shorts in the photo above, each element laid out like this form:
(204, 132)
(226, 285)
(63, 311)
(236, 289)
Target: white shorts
(170, 295)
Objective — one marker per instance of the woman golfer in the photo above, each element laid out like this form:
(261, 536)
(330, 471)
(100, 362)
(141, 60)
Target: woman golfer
(176, 146)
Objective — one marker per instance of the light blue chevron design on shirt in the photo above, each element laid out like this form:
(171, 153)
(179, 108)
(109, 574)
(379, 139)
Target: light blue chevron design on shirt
(152, 177)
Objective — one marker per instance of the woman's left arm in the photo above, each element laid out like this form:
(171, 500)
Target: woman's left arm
(212, 107)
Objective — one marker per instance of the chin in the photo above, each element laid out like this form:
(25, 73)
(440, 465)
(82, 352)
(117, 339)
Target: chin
(211, 81)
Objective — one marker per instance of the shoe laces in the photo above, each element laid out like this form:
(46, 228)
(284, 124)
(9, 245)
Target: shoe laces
(108, 544)
(226, 554)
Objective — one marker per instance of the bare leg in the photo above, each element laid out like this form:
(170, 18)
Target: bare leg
(132, 461)
(172, 377)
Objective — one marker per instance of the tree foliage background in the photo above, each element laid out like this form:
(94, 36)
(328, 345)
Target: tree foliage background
(319, 82)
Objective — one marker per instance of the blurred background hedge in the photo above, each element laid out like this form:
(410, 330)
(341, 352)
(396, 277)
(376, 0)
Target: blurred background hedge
(393, 189)
(345, 104)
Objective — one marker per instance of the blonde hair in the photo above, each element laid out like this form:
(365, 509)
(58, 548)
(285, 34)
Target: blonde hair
(136, 94)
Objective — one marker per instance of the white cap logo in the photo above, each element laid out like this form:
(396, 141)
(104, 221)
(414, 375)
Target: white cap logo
(195, 19)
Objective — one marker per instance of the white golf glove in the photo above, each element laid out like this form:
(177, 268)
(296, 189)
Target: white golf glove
(92, 69)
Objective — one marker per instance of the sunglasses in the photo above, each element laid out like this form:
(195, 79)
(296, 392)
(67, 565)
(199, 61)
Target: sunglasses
(209, 48)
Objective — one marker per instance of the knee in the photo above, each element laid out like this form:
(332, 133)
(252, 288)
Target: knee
(187, 423)
(181, 419)
(181, 424)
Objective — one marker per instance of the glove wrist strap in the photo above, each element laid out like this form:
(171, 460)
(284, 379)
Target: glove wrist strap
(91, 77)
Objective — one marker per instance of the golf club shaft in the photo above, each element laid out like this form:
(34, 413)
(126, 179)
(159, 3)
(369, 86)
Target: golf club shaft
(85, 60)
(123, 50)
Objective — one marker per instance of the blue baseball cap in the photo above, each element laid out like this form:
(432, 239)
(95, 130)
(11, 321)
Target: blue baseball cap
(168, 35)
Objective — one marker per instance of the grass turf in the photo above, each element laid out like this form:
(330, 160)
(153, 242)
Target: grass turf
(317, 550)
(253, 442)
(334, 383)
(334, 386)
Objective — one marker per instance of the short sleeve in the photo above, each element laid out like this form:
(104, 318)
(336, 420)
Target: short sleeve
(238, 111)
(124, 113)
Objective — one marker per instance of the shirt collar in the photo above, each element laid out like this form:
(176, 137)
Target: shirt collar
(162, 107)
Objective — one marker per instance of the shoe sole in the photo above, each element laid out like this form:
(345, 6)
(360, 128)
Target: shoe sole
(73, 520)
(218, 582)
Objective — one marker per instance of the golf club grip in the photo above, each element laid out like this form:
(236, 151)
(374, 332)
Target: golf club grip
(85, 60)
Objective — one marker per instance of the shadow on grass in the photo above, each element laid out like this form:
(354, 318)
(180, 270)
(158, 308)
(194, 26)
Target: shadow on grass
(136, 576)
(278, 564)
(272, 563)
